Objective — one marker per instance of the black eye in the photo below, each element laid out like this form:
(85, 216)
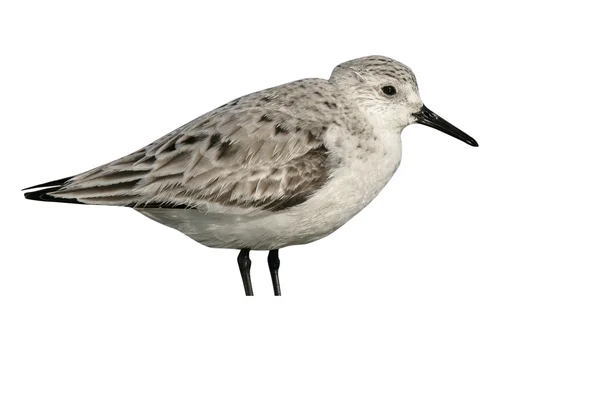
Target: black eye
(389, 90)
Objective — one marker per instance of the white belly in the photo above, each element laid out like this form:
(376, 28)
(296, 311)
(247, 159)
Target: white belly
(350, 188)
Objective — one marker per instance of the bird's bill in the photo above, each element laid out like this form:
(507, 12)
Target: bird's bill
(427, 117)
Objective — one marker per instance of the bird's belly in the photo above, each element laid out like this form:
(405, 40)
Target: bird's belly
(269, 231)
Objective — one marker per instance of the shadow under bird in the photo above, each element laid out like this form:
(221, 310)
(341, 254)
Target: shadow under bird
(284, 166)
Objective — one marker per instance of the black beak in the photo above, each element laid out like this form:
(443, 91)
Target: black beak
(427, 117)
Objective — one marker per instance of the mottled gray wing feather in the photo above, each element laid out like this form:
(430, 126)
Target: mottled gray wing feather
(255, 152)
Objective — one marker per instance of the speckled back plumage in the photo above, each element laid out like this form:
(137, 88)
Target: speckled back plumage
(263, 150)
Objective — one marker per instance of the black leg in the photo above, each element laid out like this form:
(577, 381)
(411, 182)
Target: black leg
(273, 260)
(244, 263)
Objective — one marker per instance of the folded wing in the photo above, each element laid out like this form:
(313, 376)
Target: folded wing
(253, 153)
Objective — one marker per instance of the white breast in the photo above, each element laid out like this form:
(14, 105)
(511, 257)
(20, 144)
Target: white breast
(364, 172)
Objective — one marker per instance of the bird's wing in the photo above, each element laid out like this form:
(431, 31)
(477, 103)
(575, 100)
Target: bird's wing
(243, 155)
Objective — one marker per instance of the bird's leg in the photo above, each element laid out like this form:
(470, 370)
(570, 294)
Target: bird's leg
(244, 264)
(273, 260)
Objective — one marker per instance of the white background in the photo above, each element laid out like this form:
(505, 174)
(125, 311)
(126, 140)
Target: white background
(474, 275)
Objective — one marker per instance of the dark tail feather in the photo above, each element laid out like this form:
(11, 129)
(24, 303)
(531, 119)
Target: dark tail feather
(49, 187)
(42, 195)
(56, 183)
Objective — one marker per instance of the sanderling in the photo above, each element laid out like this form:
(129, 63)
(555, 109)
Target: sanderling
(284, 166)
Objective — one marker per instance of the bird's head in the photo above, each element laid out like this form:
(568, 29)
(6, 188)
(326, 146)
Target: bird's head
(386, 91)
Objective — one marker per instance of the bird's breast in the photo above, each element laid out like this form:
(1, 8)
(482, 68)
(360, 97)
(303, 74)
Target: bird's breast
(360, 175)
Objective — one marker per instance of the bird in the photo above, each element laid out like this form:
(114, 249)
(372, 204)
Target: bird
(283, 166)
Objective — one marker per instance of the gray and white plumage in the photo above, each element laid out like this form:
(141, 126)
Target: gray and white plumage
(287, 165)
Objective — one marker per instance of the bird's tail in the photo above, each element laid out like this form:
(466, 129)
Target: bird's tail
(45, 190)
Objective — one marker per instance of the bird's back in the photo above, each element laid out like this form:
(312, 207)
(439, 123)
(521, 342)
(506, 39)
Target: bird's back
(260, 151)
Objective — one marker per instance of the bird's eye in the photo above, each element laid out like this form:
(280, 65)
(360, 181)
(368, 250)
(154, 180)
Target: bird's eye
(389, 90)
